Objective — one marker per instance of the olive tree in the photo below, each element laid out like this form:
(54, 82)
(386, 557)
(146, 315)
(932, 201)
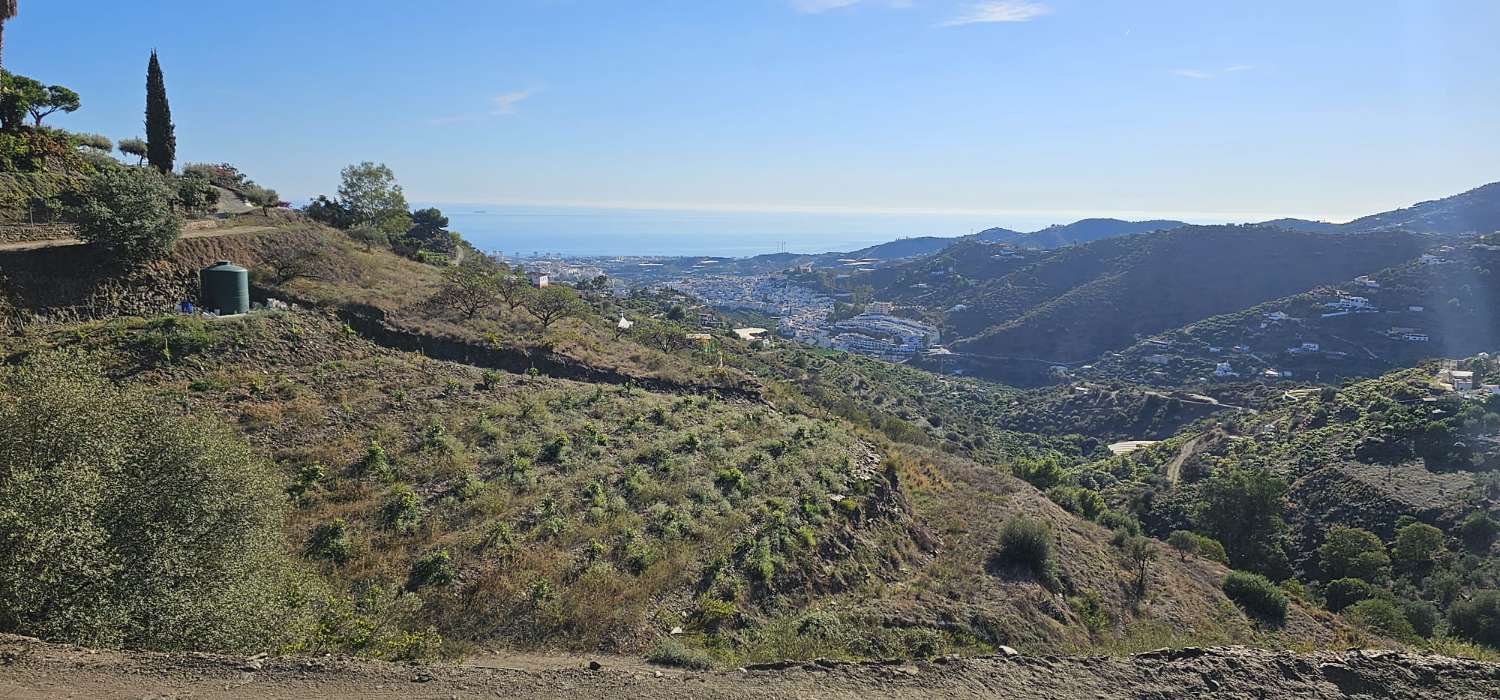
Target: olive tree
(131, 212)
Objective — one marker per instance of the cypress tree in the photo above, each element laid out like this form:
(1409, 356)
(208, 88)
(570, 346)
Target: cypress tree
(161, 141)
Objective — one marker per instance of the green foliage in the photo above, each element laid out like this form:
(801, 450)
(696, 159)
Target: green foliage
(553, 303)
(218, 174)
(161, 137)
(1041, 472)
(331, 541)
(1256, 594)
(1349, 552)
(471, 286)
(1189, 542)
(1422, 616)
(1380, 615)
(1478, 530)
(402, 511)
(435, 569)
(130, 212)
(134, 147)
(1343, 592)
(369, 194)
(1027, 542)
(1242, 508)
(196, 196)
(1417, 544)
(263, 197)
(123, 524)
(670, 651)
(1477, 618)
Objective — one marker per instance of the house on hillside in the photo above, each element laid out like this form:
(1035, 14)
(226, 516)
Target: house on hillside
(1415, 337)
(539, 280)
(1223, 369)
(1158, 359)
(1367, 282)
(1461, 380)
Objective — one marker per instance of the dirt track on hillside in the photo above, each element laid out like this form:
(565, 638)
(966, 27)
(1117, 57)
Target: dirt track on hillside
(31, 669)
(60, 242)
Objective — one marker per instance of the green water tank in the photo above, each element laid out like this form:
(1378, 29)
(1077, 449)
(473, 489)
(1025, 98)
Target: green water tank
(225, 288)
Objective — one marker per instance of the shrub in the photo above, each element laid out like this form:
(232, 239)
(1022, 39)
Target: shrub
(1477, 618)
(1189, 542)
(402, 512)
(123, 523)
(130, 212)
(1345, 592)
(1027, 542)
(1382, 616)
(196, 196)
(435, 569)
(1478, 531)
(1043, 473)
(331, 541)
(672, 652)
(1256, 594)
(1422, 615)
(1349, 552)
(1417, 544)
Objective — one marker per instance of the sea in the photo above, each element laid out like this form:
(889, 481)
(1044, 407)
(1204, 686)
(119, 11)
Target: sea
(530, 231)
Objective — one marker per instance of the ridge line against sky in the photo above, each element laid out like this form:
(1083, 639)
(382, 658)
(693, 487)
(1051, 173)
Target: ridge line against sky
(999, 108)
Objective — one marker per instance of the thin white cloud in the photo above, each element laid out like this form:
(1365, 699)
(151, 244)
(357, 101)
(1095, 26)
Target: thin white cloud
(999, 11)
(1200, 74)
(500, 106)
(816, 6)
(506, 103)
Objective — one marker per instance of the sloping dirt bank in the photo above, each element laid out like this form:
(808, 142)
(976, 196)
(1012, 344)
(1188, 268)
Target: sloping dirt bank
(32, 669)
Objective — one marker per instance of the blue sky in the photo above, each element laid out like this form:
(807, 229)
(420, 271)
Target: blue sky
(996, 111)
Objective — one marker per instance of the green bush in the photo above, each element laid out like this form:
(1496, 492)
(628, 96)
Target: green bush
(435, 569)
(331, 541)
(1256, 594)
(402, 512)
(1477, 618)
(123, 523)
(1027, 542)
(131, 213)
(1344, 592)
(196, 196)
(1423, 617)
(1189, 542)
(1380, 615)
(1478, 531)
(1349, 552)
(672, 652)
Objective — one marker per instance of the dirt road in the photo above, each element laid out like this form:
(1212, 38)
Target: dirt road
(31, 669)
(207, 233)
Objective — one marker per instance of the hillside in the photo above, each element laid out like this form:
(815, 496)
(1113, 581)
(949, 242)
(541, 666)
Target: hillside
(1399, 458)
(1476, 211)
(560, 489)
(1082, 231)
(1079, 303)
(1441, 305)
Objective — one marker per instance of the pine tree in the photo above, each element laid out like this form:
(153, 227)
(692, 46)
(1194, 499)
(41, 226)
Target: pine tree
(161, 141)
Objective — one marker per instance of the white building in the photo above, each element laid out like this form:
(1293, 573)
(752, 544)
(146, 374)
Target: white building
(1223, 369)
(539, 280)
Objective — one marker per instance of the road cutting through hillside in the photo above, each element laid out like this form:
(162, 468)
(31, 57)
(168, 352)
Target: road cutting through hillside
(64, 242)
(30, 670)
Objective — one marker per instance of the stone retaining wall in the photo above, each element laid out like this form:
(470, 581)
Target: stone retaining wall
(22, 233)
